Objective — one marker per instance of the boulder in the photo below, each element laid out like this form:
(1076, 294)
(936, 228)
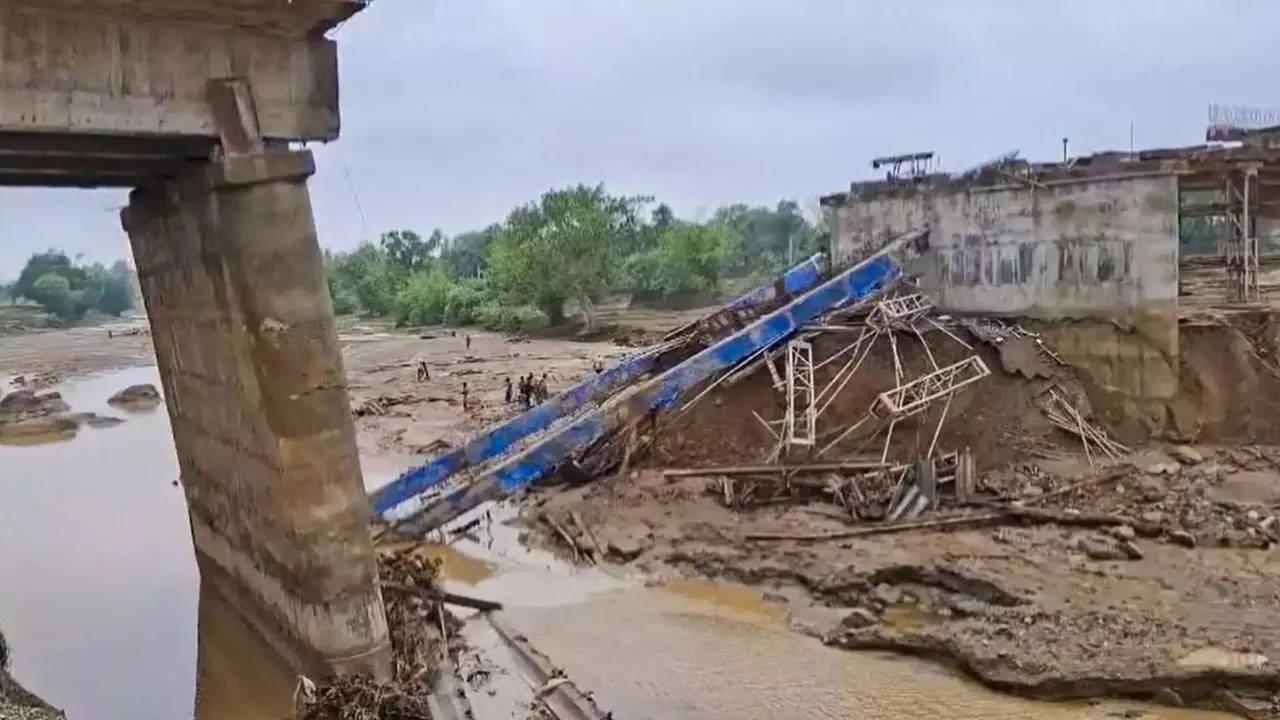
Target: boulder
(888, 594)
(144, 395)
(27, 403)
(859, 618)
(1183, 538)
(37, 429)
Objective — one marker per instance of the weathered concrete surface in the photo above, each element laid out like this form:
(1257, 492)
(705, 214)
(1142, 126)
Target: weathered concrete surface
(128, 66)
(243, 330)
(1102, 249)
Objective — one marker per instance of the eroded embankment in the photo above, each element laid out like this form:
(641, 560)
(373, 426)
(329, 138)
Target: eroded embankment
(1150, 576)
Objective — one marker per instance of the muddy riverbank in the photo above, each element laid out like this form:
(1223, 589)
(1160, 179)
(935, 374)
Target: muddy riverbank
(1152, 576)
(644, 638)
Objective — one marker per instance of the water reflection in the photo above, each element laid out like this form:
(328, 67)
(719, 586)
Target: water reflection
(97, 581)
(238, 676)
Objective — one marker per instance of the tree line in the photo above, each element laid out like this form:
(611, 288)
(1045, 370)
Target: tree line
(573, 246)
(68, 289)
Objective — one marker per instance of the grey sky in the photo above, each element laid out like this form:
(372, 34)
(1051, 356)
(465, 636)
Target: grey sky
(456, 110)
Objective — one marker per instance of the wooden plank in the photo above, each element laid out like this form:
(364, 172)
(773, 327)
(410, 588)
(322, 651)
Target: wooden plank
(769, 469)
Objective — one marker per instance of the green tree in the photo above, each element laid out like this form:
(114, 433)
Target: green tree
(424, 298)
(564, 247)
(117, 295)
(765, 239)
(51, 262)
(408, 251)
(53, 293)
(467, 255)
(687, 259)
(366, 275)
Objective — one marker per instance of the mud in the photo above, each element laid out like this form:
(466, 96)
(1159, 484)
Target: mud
(1172, 603)
(1024, 608)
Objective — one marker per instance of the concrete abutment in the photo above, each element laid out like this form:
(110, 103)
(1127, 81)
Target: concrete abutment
(232, 278)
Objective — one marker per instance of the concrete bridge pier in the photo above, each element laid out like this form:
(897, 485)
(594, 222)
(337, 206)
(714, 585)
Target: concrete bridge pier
(240, 313)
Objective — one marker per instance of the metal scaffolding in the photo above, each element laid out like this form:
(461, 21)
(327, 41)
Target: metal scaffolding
(1241, 246)
(802, 419)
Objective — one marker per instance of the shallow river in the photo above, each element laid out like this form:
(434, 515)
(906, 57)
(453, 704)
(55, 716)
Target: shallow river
(103, 609)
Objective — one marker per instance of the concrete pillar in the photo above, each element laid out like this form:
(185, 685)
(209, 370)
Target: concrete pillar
(233, 283)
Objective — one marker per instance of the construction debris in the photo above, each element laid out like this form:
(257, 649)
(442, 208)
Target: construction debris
(380, 404)
(415, 619)
(1064, 415)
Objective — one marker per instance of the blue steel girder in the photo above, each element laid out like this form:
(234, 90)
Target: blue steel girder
(498, 440)
(858, 284)
(503, 437)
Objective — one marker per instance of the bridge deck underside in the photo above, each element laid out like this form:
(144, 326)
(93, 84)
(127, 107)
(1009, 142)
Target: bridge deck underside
(66, 160)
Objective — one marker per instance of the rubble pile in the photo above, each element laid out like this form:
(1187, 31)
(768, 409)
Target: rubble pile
(415, 616)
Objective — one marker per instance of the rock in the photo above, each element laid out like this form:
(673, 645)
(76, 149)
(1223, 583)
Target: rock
(625, 542)
(1183, 538)
(1233, 538)
(1231, 702)
(1122, 532)
(144, 395)
(1131, 549)
(1169, 468)
(1152, 517)
(774, 598)
(1152, 491)
(38, 429)
(1186, 455)
(1166, 696)
(94, 420)
(888, 594)
(26, 403)
(1098, 549)
(859, 618)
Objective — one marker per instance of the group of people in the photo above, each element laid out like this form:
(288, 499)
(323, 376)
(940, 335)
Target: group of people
(530, 390)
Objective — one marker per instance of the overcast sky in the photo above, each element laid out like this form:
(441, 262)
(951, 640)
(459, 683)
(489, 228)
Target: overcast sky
(456, 110)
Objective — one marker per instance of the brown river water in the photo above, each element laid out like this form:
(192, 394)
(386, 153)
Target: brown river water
(106, 617)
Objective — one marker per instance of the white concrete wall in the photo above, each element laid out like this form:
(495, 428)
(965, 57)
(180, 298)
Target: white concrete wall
(1101, 250)
(1093, 248)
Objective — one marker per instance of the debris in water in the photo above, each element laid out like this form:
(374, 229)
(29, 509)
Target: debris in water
(416, 647)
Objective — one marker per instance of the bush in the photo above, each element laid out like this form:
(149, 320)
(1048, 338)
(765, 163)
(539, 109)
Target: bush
(508, 318)
(464, 300)
(423, 299)
(117, 295)
(53, 293)
(344, 301)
